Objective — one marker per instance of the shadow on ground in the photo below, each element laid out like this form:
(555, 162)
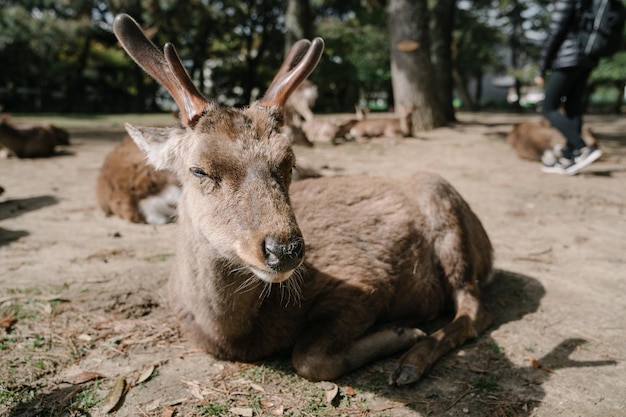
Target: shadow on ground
(478, 379)
(14, 208)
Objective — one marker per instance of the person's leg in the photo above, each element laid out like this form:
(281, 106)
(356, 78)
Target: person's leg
(574, 106)
(569, 83)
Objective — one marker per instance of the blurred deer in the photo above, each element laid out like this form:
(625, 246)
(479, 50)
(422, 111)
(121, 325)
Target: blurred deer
(129, 188)
(390, 127)
(30, 140)
(378, 250)
(300, 104)
(538, 141)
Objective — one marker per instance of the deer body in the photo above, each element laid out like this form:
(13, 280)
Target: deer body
(130, 189)
(377, 250)
(392, 254)
(31, 140)
(538, 141)
(300, 103)
(395, 127)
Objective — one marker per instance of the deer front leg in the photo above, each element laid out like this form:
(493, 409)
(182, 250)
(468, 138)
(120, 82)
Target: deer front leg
(323, 361)
(471, 319)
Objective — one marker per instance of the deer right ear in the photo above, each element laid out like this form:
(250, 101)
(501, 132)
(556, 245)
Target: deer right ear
(165, 67)
(156, 143)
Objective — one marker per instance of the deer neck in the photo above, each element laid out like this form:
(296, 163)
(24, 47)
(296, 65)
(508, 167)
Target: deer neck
(10, 137)
(226, 293)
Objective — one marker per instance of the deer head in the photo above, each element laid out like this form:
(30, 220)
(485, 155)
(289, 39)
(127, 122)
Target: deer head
(234, 164)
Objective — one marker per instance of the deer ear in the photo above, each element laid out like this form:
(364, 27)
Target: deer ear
(156, 143)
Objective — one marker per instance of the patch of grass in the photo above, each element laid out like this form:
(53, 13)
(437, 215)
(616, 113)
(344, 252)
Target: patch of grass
(217, 409)
(7, 342)
(161, 257)
(494, 347)
(487, 382)
(86, 399)
(9, 397)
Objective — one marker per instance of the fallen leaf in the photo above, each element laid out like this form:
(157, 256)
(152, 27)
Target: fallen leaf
(350, 391)
(331, 393)
(538, 365)
(167, 411)
(84, 337)
(177, 401)
(145, 374)
(242, 411)
(194, 388)
(82, 377)
(114, 396)
(278, 411)
(7, 322)
(257, 387)
(274, 405)
(152, 406)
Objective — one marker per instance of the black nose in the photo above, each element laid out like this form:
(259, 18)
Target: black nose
(283, 256)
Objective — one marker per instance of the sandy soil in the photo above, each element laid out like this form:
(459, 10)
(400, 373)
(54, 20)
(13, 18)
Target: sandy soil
(83, 295)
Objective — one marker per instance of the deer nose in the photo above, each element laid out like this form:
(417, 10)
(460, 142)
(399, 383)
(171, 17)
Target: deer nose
(283, 256)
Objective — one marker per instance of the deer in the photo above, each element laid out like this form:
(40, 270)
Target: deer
(300, 103)
(30, 140)
(129, 188)
(539, 141)
(335, 272)
(391, 127)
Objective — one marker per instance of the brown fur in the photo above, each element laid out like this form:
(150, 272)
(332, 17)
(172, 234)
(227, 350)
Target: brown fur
(125, 180)
(300, 104)
(395, 127)
(536, 140)
(328, 131)
(377, 250)
(30, 140)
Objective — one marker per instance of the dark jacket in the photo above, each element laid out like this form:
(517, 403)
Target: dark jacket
(561, 48)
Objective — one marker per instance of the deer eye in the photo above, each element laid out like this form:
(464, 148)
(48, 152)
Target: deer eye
(198, 172)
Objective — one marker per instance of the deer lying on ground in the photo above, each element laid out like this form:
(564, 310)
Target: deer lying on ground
(538, 141)
(378, 250)
(391, 127)
(30, 140)
(300, 104)
(328, 130)
(134, 191)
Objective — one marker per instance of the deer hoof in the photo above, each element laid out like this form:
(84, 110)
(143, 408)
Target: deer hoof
(404, 375)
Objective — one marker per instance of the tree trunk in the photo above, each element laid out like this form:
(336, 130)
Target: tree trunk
(298, 21)
(441, 27)
(412, 73)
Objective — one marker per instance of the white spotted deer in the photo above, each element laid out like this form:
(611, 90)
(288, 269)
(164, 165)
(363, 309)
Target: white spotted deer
(377, 250)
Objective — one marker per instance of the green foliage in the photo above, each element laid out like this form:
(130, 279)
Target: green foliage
(60, 55)
(610, 70)
(356, 59)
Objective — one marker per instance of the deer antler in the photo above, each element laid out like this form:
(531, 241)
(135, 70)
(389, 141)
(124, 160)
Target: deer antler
(298, 65)
(164, 67)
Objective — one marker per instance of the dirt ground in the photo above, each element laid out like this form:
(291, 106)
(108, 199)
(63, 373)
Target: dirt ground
(85, 328)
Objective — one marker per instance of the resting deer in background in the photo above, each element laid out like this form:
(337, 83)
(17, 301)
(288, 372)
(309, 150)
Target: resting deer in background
(30, 140)
(300, 104)
(377, 250)
(538, 141)
(134, 191)
(391, 127)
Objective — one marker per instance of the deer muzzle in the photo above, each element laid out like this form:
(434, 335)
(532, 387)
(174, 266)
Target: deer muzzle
(283, 256)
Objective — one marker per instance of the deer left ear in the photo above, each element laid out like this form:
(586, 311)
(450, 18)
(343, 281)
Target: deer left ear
(156, 143)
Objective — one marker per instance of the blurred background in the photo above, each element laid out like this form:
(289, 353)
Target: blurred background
(59, 56)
